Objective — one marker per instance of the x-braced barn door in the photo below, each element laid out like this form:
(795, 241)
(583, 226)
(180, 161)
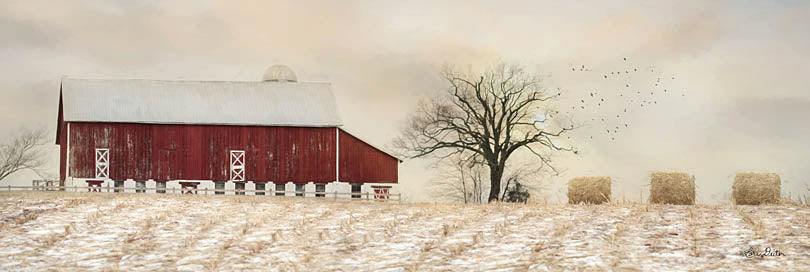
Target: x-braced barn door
(237, 165)
(102, 163)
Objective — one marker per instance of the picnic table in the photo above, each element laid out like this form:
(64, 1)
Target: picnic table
(94, 185)
(188, 187)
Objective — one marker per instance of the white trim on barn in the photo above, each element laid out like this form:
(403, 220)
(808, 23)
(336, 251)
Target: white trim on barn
(102, 163)
(337, 154)
(67, 153)
(237, 165)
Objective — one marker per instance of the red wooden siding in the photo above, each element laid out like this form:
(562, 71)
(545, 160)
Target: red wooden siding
(202, 152)
(361, 162)
(62, 157)
(61, 135)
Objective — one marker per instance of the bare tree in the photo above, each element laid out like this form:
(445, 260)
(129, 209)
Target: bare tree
(465, 180)
(526, 173)
(23, 151)
(461, 180)
(490, 116)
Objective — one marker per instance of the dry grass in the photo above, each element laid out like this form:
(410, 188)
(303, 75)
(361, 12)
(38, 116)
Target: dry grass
(148, 232)
(672, 188)
(692, 232)
(756, 188)
(589, 190)
(755, 225)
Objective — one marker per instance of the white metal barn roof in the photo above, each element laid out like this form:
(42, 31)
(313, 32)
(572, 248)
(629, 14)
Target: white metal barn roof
(263, 103)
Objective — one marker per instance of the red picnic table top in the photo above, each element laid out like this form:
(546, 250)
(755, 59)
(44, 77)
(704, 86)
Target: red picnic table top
(189, 187)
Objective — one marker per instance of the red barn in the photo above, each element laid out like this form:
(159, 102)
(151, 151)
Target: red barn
(277, 130)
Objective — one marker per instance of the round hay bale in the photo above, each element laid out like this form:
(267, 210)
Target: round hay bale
(589, 190)
(672, 188)
(756, 188)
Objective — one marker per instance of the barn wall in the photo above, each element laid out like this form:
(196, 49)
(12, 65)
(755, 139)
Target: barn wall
(62, 134)
(201, 152)
(60, 140)
(361, 162)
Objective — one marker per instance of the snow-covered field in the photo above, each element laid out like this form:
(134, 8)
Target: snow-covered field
(82, 231)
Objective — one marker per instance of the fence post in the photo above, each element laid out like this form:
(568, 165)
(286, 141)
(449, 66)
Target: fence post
(205, 191)
(108, 187)
(9, 188)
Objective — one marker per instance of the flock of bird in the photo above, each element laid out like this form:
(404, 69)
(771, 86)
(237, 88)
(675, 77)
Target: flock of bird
(608, 108)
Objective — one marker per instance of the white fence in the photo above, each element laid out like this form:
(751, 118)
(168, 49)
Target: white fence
(206, 191)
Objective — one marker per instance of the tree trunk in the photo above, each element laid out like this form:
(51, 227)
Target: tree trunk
(495, 173)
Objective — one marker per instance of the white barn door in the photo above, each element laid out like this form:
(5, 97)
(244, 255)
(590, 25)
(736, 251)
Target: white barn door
(102, 163)
(237, 165)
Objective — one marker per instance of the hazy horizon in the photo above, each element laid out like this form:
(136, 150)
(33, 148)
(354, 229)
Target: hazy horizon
(741, 66)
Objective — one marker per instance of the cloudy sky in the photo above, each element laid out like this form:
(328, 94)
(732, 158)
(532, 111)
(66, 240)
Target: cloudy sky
(742, 69)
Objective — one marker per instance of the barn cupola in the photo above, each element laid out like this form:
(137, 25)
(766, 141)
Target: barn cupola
(279, 73)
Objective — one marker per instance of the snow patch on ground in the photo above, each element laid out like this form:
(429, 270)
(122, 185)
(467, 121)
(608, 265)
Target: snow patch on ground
(96, 232)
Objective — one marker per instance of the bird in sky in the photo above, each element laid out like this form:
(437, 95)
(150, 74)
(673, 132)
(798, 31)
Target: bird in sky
(603, 112)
